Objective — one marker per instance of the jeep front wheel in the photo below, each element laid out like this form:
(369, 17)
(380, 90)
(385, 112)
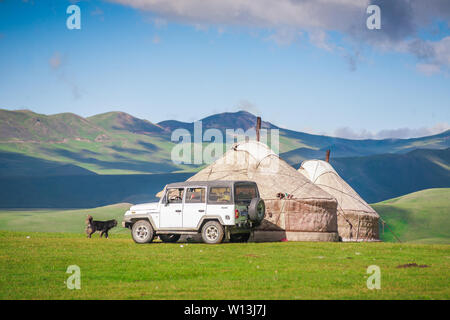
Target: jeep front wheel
(142, 232)
(212, 232)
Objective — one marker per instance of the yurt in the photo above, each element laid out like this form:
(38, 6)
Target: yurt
(296, 209)
(357, 221)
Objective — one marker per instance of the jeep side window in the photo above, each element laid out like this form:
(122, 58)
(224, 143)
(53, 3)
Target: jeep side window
(219, 195)
(175, 195)
(195, 195)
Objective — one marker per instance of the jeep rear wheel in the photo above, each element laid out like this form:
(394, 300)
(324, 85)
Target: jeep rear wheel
(170, 238)
(142, 232)
(212, 232)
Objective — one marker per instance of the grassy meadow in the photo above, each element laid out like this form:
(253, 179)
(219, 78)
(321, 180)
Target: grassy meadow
(33, 266)
(59, 220)
(420, 217)
(37, 246)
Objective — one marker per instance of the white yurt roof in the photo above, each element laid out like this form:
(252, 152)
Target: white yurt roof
(322, 174)
(255, 161)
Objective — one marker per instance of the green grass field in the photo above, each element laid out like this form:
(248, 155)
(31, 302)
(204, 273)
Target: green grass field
(59, 220)
(37, 246)
(421, 217)
(33, 266)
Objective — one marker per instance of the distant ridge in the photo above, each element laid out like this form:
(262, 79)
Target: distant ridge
(222, 121)
(384, 176)
(119, 143)
(45, 152)
(118, 120)
(25, 125)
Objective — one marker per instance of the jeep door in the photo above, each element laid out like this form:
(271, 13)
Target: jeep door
(220, 203)
(194, 206)
(171, 213)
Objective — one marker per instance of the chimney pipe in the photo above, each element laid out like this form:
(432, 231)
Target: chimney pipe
(327, 157)
(258, 127)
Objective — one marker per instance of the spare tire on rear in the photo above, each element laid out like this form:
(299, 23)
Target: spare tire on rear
(256, 210)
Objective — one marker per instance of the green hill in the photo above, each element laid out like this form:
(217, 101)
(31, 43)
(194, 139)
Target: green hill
(124, 122)
(48, 220)
(25, 126)
(103, 144)
(422, 216)
(118, 143)
(385, 176)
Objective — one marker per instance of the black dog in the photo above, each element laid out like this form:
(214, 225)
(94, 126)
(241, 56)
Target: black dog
(102, 226)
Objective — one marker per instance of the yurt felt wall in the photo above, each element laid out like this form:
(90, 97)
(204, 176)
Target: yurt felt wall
(309, 215)
(357, 221)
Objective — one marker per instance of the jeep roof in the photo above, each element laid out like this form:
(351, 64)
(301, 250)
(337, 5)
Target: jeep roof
(214, 183)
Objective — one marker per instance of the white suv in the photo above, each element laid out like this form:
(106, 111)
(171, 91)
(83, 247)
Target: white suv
(217, 209)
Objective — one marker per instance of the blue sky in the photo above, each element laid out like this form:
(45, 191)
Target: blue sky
(159, 62)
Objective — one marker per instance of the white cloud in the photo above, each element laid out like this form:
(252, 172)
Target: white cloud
(428, 68)
(160, 23)
(442, 51)
(261, 13)
(320, 39)
(284, 36)
(400, 133)
(349, 133)
(286, 19)
(433, 56)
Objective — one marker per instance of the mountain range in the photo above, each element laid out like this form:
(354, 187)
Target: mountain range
(118, 143)
(54, 147)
